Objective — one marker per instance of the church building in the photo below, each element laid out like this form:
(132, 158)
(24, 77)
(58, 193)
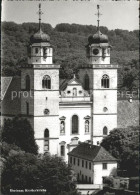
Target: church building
(65, 112)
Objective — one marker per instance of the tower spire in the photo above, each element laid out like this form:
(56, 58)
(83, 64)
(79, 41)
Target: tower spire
(40, 13)
(98, 14)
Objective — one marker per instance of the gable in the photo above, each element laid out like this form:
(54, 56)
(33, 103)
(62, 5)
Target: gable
(74, 82)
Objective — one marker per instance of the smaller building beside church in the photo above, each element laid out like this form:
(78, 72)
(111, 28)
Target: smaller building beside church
(91, 163)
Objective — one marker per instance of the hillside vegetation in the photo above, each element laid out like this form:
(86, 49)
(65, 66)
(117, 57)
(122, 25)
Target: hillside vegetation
(69, 41)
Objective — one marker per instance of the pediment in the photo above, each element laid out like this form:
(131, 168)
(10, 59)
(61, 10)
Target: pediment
(73, 82)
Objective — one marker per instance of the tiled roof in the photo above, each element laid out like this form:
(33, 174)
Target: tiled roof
(5, 82)
(11, 106)
(91, 152)
(63, 83)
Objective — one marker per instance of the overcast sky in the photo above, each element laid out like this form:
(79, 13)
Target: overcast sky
(115, 14)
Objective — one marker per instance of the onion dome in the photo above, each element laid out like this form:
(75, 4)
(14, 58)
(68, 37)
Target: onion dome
(40, 37)
(98, 38)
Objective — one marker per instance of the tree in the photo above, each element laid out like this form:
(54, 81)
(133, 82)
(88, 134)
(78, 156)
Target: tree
(20, 172)
(124, 145)
(18, 131)
(27, 171)
(69, 51)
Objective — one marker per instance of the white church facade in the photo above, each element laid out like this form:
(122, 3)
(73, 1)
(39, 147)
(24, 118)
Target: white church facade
(68, 111)
(64, 112)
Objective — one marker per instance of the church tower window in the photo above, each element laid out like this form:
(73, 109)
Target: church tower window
(103, 52)
(87, 126)
(27, 80)
(74, 124)
(86, 82)
(105, 130)
(46, 82)
(44, 52)
(105, 81)
(36, 50)
(46, 140)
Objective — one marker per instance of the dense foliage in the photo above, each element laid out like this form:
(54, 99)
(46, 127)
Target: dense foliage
(124, 145)
(18, 131)
(22, 171)
(69, 48)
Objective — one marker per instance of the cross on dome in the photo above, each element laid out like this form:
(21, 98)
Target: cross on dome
(39, 13)
(98, 14)
(40, 36)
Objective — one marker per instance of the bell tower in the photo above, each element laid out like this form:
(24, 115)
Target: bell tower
(41, 77)
(102, 81)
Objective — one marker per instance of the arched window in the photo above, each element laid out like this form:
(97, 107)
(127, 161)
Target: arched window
(46, 140)
(62, 127)
(105, 81)
(27, 80)
(87, 126)
(27, 108)
(86, 82)
(46, 82)
(74, 92)
(74, 124)
(105, 130)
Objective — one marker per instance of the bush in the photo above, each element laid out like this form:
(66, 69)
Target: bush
(108, 181)
(134, 183)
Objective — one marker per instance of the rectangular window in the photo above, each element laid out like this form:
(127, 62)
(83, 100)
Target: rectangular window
(70, 160)
(82, 163)
(74, 161)
(44, 52)
(82, 177)
(78, 177)
(36, 50)
(86, 164)
(89, 179)
(62, 150)
(78, 162)
(86, 178)
(90, 165)
(104, 165)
